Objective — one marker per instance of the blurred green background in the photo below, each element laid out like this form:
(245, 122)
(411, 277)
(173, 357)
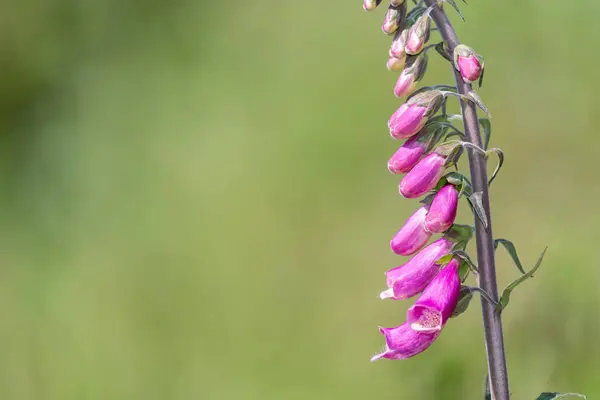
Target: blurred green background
(195, 202)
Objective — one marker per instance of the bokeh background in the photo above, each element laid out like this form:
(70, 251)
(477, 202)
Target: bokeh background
(195, 202)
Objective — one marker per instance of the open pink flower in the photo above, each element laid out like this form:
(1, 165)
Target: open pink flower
(404, 342)
(437, 302)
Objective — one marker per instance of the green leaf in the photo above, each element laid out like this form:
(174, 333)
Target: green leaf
(475, 98)
(444, 259)
(556, 395)
(453, 4)
(464, 300)
(512, 251)
(442, 49)
(476, 201)
(487, 393)
(500, 155)
(486, 124)
(505, 298)
(466, 259)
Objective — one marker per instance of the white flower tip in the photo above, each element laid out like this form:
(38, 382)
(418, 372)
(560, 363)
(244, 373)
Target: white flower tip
(387, 294)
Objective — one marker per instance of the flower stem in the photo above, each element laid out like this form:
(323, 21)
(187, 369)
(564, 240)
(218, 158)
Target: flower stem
(485, 241)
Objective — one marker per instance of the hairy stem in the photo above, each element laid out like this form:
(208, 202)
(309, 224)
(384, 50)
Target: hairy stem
(485, 241)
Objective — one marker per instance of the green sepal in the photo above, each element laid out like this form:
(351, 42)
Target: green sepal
(505, 298)
(464, 257)
(458, 233)
(512, 251)
(414, 14)
(486, 125)
(464, 299)
(476, 202)
(463, 271)
(557, 396)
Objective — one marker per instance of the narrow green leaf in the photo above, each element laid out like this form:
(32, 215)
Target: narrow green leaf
(505, 298)
(481, 77)
(486, 124)
(512, 251)
(476, 201)
(465, 258)
(487, 393)
(556, 395)
(475, 98)
(464, 300)
(500, 155)
(453, 4)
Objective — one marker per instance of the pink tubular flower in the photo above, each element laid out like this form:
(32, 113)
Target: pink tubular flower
(404, 342)
(443, 210)
(414, 114)
(423, 177)
(407, 156)
(436, 304)
(468, 63)
(418, 35)
(413, 236)
(413, 276)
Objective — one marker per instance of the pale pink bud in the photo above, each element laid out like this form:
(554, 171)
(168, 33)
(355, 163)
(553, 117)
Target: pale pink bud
(404, 342)
(443, 210)
(397, 48)
(418, 35)
(413, 276)
(407, 156)
(396, 64)
(391, 21)
(413, 236)
(412, 73)
(468, 63)
(436, 304)
(423, 177)
(370, 5)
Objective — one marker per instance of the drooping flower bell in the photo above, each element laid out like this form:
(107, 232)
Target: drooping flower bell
(468, 63)
(424, 176)
(370, 5)
(392, 20)
(404, 342)
(412, 73)
(413, 276)
(418, 35)
(413, 235)
(414, 114)
(437, 302)
(442, 211)
(407, 156)
(395, 64)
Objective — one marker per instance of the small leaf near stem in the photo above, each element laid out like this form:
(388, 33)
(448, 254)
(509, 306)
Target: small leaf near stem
(500, 155)
(512, 251)
(486, 125)
(464, 299)
(476, 202)
(505, 298)
(466, 259)
(442, 49)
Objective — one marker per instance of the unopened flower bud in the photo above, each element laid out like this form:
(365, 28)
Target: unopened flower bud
(423, 177)
(407, 156)
(392, 20)
(414, 114)
(413, 236)
(411, 75)
(468, 63)
(443, 208)
(370, 5)
(396, 64)
(418, 35)
(436, 304)
(413, 276)
(404, 342)
(397, 48)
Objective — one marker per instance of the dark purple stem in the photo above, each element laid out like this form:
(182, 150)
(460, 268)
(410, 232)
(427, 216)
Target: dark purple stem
(492, 323)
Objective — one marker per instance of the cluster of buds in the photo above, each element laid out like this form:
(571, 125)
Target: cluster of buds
(432, 271)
